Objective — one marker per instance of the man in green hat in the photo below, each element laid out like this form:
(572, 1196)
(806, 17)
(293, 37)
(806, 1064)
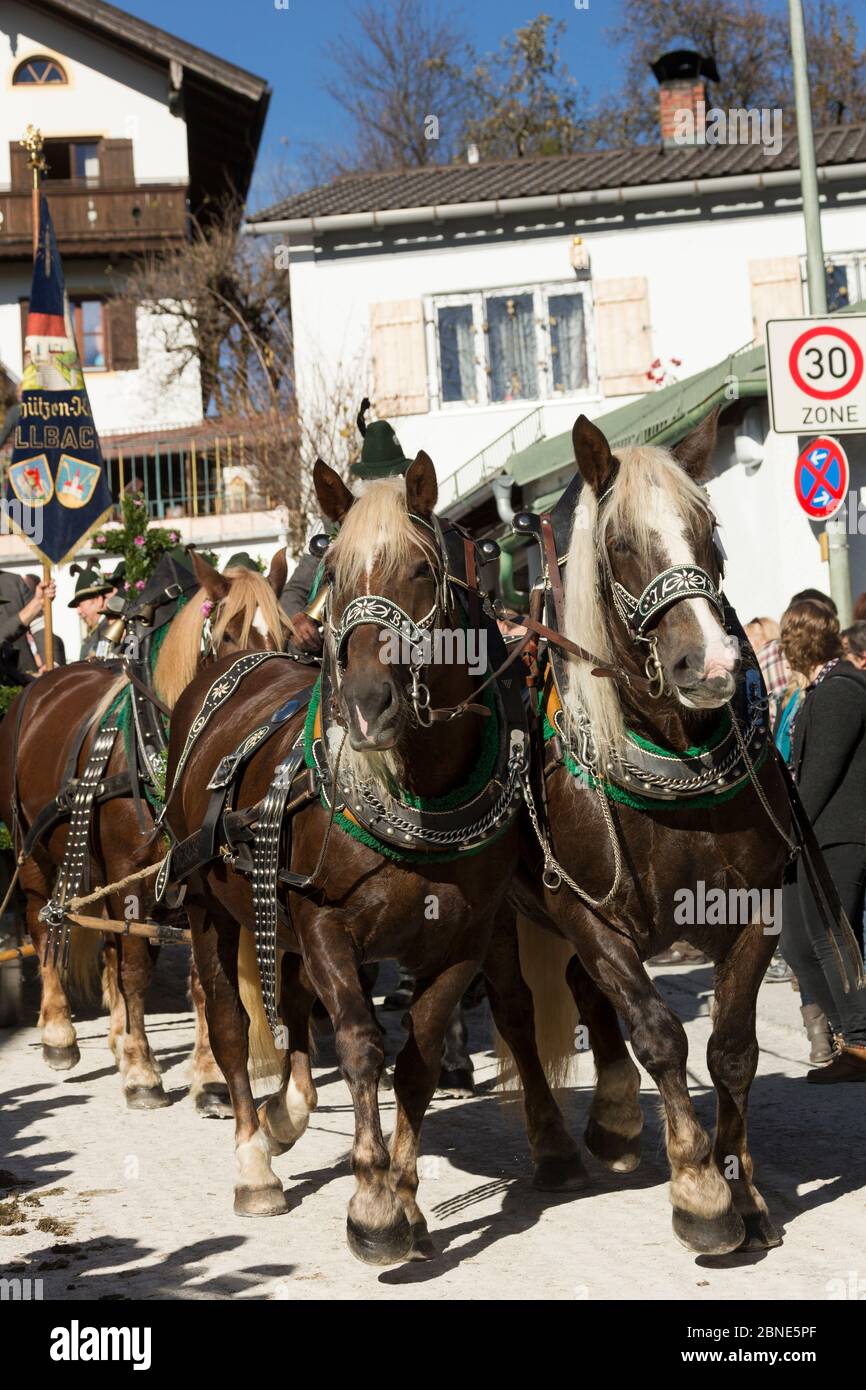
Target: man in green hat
(381, 457)
(91, 591)
(242, 561)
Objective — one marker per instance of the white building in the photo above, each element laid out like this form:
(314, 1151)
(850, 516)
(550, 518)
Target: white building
(484, 305)
(141, 130)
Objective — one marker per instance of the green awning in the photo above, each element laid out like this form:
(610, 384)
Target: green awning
(660, 417)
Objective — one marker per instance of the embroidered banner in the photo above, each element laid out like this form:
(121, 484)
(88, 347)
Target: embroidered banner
(57, 475)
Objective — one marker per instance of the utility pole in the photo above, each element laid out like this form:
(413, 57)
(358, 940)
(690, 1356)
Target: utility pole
(836, 529)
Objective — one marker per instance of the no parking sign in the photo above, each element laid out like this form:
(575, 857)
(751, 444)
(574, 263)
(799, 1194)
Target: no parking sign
(821, 478)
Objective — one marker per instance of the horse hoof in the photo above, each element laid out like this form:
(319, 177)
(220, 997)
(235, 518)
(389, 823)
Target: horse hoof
(61, 1058)
(717, 1235)
(146, 1098)
(761, 1234)
(560, 1173)
(383, 1247)
(422, 1246)
(213, 1102)
(260, 1201)
(458, 1084)
(615, 1151)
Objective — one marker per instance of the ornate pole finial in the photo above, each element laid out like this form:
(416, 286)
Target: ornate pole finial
(33, 143)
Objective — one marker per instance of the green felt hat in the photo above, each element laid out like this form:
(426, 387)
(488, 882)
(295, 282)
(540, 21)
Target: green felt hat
(242, 561)
(381, 454)
(89, 584)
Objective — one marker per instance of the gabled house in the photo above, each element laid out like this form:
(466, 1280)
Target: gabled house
(483, 305)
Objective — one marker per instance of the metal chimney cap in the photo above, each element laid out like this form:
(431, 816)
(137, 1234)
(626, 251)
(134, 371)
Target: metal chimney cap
(681, 64)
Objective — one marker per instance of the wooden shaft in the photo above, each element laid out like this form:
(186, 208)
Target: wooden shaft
(48, 615)
(149, 930)
(17, 953)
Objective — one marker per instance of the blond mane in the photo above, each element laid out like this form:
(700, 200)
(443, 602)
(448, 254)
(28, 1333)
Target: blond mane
(249, 594)
(587, 619)
(377, 530)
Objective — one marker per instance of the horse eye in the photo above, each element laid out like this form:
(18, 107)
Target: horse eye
(621, 545)
(422, 571)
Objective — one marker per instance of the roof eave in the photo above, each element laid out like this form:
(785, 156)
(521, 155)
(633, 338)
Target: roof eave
(261, 224)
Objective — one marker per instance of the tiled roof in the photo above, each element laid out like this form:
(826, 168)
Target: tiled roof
(550, 175)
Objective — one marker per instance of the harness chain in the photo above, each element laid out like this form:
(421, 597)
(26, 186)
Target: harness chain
(73, 874)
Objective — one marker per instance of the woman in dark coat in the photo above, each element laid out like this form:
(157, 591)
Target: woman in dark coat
(829, 763)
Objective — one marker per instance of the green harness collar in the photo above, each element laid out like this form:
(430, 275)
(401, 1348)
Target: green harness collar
(478, 780)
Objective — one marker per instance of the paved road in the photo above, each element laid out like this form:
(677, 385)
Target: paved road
(101, 1203)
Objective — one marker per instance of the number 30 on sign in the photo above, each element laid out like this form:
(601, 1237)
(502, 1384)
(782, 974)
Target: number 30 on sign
(817, 376)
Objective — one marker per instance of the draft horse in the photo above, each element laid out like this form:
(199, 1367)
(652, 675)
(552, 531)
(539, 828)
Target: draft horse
(377, 754)
(228, 613)
(662, 788)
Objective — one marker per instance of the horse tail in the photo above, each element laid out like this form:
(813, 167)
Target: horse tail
(264, 1059)
(543, 959)
(83, 973)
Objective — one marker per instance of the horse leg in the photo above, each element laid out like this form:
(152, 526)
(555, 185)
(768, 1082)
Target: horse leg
(285, 1116)
(732, 1057)
(59, 1045)
(558, 1164)
(456, 1079)
(208, 1088)
(704, 1217)
(415, 1075)
(112, 999)
(138, 1067)
(258, 1191)
(376, 1229)
(615, 1120)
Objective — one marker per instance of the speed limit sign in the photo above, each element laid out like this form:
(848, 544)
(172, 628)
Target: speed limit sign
(817, 372)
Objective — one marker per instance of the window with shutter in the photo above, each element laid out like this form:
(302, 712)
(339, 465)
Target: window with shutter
(21, 177)
(777, 291)
(399, 357)
(116, 162)
(122, 335)
(624, 335)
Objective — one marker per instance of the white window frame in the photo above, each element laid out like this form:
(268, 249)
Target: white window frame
(852, 261)
(541, 295)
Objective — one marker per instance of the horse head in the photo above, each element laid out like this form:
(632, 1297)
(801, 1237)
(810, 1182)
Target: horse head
(387, 575)
(645, 567)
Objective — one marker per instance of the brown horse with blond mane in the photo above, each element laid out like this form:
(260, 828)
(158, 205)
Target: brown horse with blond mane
(238, 609)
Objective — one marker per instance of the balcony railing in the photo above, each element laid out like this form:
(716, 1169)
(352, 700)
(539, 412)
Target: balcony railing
(87, 218)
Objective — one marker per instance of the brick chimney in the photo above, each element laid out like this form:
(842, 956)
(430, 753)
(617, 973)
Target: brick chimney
(682, 77)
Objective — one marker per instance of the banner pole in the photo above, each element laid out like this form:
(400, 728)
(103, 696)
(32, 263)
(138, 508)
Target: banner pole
(32, 142)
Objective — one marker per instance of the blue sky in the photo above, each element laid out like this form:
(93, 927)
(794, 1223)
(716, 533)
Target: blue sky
(287, 48)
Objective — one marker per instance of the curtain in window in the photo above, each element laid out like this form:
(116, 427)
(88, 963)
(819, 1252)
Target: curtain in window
(512, 348)
(457, 353)
(567, 342)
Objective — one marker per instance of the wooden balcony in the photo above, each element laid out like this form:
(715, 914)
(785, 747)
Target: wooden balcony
(97, 219)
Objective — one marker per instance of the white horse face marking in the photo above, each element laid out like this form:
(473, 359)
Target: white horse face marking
(699, 657)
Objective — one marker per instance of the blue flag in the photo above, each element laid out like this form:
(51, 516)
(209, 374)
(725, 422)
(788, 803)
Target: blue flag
(56, 479)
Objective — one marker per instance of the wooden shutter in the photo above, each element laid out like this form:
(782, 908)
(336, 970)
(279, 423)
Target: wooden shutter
(21, 177)
(777, 291)
(121, 335)
(115, 162)
(624, 335)
(399, 357)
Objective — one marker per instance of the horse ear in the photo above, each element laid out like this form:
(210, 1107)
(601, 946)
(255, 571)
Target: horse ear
(422, 490)
(335, 499)
(215, 584)
(592, 454)
(695, 451)
(278, 572)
